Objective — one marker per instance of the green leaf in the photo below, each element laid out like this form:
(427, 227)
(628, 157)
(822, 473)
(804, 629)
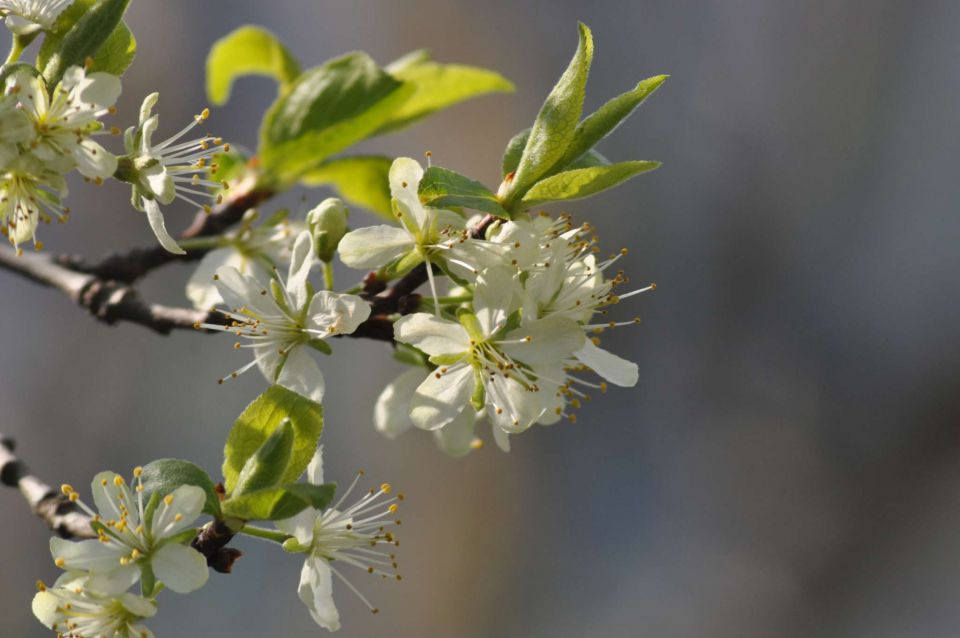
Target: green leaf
(268, 464)
(258, 422)
(315, 496)
(583, 182)
(166, 475)
(326, 110)
(511, 157)
(555, 124)
(80, 33)
(438, 86)
(443, 188)
(248, 50)
(361, 180)
(270, 504)
(604, 120)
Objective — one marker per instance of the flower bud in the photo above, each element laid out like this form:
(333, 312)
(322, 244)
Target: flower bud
(328, 225)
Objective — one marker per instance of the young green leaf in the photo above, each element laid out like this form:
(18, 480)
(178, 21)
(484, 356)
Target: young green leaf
(604, 120)
(267, 465)
(511, 157)
(258, 422)
(92, 26)
(362, 180)
(270, 504)
(583, 182)
(245, 51)
(555, 124)
(326, 110)
(443, 188)
(316, 496)
(165, 475)
(438, 86)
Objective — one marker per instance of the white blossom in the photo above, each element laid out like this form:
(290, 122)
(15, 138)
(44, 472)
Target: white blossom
(65, 121)
(425, 234)
(24, 17)
(30, 192)
(72, 609)
(282, 323)
(128, 539)
(161, 173)
(341, 536)
(488, 359)
(15, 129)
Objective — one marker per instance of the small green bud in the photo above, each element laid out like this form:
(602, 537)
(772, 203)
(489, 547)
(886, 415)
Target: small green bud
(328, 225)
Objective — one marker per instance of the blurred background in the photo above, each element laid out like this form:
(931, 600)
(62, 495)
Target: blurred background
(790, 462)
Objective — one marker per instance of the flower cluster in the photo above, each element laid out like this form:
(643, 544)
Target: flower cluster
(512, 344)
(44, 136)
(136, 541)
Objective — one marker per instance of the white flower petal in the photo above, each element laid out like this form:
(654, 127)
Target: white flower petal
(374, 246)
(316, 592)
(391, 413)
(181, 568)
(501, 438)
(299, 526)
(46, 606)
(90, 555)
(99, 89)
(614, 369)
(440, 398)
(550, 340)
(93, 161)
(243, 291)
(315, 467)
(155, 218)
(301, 261)
(116, 581)
(511, 406)
(105, 495)
(301, 374)
(201, 288)
(405, 175)
(456, 438)
(188, 502)
(432, 335)
(336, 313)
(495, 297)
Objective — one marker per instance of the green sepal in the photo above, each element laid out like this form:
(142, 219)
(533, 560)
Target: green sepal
(405, 353)
(257, 423)
(479, 397)
(320, 345)
(445, 359)
(248, 50)
(583, 182)
(148, 580)
(150, 509)
(277, 503)
(182, 537)
(266, 467)
(83, 38)
(316, 496)
(403, 265)
(443, 188)
(163, 476)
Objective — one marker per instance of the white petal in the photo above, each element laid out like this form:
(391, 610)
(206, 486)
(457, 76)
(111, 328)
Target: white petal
(106, 496)
(608, 365)
(93, 160)
(374, 246)
(495, 297)
(456, 438)
(243, 291)
(201, 288)
(188, 502)
(181, 568)
(511, 406)
(391, 413)
(552, 340)
(160, 182)
(155, 218)
(46, 606)
(300, 526)
(405, 175)
(116, 581)
(501, 438)
(301, 374)
(90, 555)
(138, 605)
(438, 401)
(432, 335)
(22, 26)
(316, 592)
(301, 261)
(100, 89)
(315, 467)
(341, 313)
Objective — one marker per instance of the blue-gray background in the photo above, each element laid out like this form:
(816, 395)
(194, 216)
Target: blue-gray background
(788, 464)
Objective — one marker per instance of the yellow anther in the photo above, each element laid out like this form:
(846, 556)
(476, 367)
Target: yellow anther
(135, 554)
(137, 471)
(41, 586)
(385, 488)
(476, 444)
(393, 508)
(168, 500)
(204, 114)
(59, 562)
(67, 489)
(178, 517)
(118, 480)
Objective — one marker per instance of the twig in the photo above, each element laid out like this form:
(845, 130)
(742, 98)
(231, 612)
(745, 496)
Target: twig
(62, 516)
(108, 301)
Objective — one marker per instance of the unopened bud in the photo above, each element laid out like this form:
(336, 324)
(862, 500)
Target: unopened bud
(328, 225)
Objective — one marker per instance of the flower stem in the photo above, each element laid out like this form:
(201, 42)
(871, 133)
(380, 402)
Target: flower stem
(266, 534)
(16, 47)
(328, 274)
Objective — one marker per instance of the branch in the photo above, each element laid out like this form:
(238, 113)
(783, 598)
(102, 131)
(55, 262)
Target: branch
(129, 266)
(58, 512)
(108, 301)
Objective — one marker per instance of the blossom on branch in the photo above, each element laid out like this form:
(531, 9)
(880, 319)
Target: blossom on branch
(72, 609)
(25, 17)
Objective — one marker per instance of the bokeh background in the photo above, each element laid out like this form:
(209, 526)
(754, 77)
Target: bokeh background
(789, 463)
